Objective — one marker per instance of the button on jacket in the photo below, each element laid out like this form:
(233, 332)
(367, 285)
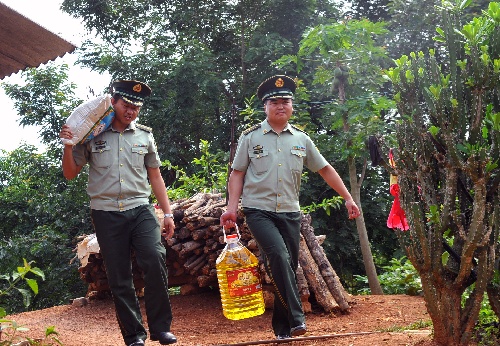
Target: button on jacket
(117, 163)
(273, 163)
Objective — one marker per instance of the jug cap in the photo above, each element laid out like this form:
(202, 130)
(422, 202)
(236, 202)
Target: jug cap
(231, 236)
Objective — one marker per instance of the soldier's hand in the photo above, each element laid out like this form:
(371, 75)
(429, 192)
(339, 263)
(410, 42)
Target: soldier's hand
(352, 209)
(168, 228)
(66, 132)
(228, 219)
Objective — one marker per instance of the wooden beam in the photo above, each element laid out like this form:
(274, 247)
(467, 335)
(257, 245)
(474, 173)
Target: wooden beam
(301, 338)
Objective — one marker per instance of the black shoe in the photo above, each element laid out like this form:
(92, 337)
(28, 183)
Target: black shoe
(299, 330)
(165, 338)
(283, 336)
(138, 342)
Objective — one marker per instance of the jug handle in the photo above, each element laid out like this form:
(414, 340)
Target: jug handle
(237, 232)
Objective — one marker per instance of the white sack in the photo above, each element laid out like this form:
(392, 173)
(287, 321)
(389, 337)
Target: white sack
(87, 246)
(90, 119)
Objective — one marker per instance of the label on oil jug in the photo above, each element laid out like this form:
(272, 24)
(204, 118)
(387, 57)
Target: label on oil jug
(243, 281)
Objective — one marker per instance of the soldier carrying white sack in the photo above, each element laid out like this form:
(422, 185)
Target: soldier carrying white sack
(123, 167)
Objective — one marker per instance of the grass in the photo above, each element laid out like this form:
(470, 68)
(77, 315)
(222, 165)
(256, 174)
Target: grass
(414, 326)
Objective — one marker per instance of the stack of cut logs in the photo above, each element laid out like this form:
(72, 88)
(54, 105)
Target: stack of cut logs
(199, 239)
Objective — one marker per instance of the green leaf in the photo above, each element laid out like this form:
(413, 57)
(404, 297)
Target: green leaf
(463, 148)
(434, 130)
(494, 11)
(51, 330)
(491, 166)
(469, 32)
(409, 76)
(464, 4)
(16, 276)
(26, 296)
(484, 132)
(435, 90)
(33, 285)
(39, 272)
(444, 258)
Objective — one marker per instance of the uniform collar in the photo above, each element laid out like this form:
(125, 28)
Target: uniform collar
(131, 126)
(265, 128)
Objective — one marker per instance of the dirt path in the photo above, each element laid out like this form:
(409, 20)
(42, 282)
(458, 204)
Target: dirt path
(198, 320)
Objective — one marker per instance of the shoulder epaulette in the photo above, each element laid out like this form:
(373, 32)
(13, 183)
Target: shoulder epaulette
(250, 129)
(144, 127)
(298, 128)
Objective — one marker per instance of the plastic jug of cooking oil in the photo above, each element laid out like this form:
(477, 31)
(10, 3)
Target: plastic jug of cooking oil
(239, 280)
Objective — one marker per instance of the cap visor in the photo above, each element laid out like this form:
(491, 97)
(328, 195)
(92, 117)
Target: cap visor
(137, 103)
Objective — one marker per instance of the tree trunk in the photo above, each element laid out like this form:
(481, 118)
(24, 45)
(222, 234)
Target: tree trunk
(494, 298)
(444, 284)
(371, 271)
(453, 324)
(366, 252)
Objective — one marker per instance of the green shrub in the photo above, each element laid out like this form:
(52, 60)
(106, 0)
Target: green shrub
(14, 280)
(52, 252)
(9, 328)
(211, 175)
(487, 330)
(400, 277)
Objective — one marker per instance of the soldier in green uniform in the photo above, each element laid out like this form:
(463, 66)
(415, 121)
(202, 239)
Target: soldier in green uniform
(266, 174)
(123, 168)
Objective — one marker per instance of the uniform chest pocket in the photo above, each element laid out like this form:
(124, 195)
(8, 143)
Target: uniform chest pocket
(138, 154)
(101, 156)
(259, 162)
(297, 159)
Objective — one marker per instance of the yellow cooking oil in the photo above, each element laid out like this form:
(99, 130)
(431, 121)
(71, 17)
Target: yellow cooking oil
(239, 281)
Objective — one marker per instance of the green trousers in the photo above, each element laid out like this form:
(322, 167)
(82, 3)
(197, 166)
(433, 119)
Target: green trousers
(118, 233)
(278, 236)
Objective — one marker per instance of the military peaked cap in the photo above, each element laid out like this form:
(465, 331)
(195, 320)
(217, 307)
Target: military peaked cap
(276, 87)
(131, 91)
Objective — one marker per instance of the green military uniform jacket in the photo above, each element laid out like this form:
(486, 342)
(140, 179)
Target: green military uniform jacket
(273, 164)
(117, 167)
